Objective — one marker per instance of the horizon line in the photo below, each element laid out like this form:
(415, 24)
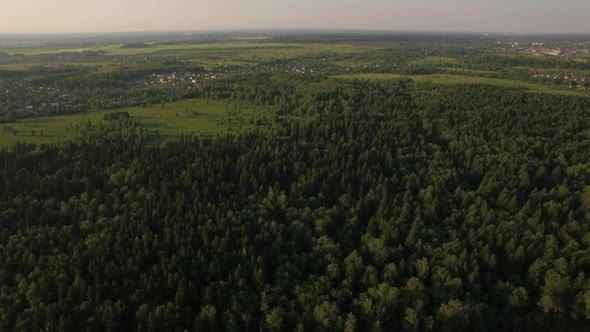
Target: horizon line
(331, 30)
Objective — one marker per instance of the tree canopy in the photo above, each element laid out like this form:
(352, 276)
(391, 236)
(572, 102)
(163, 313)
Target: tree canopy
(387, 205)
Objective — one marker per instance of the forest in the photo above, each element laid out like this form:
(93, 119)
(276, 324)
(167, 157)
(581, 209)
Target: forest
(366, 206)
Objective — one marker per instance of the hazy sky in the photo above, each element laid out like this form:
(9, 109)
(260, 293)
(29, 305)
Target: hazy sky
(32, 16)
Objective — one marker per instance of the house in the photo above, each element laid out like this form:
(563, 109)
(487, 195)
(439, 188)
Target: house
(18, 111)
(554, 52)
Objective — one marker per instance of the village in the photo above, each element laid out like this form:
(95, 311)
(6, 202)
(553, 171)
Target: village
(572, 80)
(24, 100)
(575, 50)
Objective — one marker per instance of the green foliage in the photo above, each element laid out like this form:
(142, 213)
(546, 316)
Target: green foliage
(453, 316)
(365, 206)
(116, 116)
(163, 122)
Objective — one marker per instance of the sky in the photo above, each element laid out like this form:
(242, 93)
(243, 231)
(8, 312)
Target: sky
(73, 16)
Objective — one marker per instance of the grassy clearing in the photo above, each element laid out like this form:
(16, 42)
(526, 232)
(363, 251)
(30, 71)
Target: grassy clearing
(247, 48)
(32, 66)
(211, 55)
(177, 118)
(44, 50)
(117, 49)
(371, 76)
(435, 61)
(460, 71)
(248, 38)
(17, 67)
(460, 79)
(354, 63)
(251, 56)
(554, 70)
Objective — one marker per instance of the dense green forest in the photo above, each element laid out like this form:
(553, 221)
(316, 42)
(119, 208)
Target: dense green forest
(369, 206)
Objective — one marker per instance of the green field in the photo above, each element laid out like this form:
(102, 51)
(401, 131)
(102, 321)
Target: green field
(248, 38)
(177, 118)
(460, 79)
(435, 61)
(461, 71)
(231, 44)
(44, 50)
(17, 67)
(554, 70)
(117, 49)
(24, 67)
(209, 55)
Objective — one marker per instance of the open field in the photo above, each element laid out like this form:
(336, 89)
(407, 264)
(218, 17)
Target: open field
(177, 118)
(32, 66)
(44, 50)
(460, 79)
(460, 71)
(232, 44)
(17, 67)
(209, 55)
(554, 70)
(435, 61)
(248, 38)
(117, 49)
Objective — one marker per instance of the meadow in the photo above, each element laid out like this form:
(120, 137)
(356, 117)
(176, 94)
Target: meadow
(553, 70)
(185, 117)
(231, 52)
(26, 67)
(462, 79)
(232, 44)
(435, 61)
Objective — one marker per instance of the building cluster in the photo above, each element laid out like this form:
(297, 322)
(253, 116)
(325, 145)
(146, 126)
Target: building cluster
(197, 79)
(45, 99)
(576, 81)
(176, 79)
(29, 100)
(540, 48)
